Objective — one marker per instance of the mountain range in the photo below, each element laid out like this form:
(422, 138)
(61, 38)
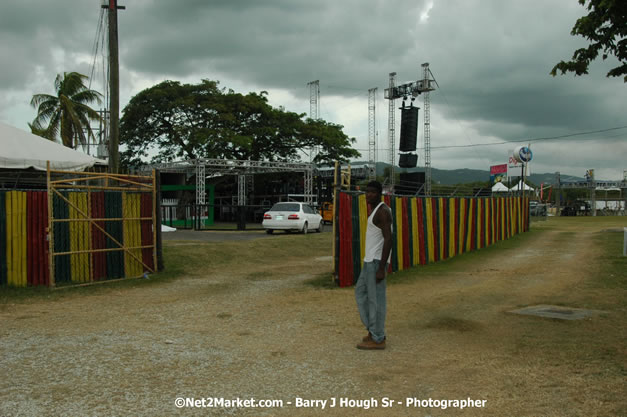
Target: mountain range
(466, 175)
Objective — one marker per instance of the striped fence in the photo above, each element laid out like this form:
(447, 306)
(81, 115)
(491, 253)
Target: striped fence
(83, 253)
(426, 229)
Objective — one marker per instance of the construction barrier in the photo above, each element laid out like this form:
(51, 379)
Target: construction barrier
(426, 229)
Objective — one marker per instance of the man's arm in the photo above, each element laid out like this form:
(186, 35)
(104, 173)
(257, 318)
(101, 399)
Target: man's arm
(383, 221)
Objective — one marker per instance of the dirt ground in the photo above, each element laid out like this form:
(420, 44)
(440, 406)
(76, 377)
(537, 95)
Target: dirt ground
(265, 334)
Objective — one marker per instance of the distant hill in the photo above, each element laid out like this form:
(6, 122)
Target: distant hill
(466, 175)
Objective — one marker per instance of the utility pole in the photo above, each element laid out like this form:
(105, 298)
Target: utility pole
(114, 85)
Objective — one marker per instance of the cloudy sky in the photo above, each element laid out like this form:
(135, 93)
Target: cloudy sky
(490, 58)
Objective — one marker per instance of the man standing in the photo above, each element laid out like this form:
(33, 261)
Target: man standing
(370, 288)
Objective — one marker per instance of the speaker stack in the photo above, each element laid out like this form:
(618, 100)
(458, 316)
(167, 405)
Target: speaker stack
(410, 183)
(409, 133)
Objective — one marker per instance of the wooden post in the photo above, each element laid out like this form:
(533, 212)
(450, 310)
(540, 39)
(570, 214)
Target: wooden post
(154, 221)
(558, 193)
(336, 210)
(50, 228)
(114, 83)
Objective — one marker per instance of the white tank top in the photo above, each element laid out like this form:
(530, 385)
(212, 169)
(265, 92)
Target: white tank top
(374, 239)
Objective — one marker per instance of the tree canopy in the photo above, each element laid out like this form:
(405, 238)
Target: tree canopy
(67, 113)
(606, 29)
(189, 121)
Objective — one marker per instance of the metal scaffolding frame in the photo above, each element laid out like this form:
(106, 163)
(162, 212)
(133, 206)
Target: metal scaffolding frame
(426, 87)
(314, 112)
(314, 99)
(372, 131)
(243, 169)
(391, 128)
(404, 91)
(201, 193)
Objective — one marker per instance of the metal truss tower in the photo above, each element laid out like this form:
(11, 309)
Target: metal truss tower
(426, 84)
(404, 91)
(314, 99)
(314, 110)
(372, 132)
(391, 127)
(201, 192)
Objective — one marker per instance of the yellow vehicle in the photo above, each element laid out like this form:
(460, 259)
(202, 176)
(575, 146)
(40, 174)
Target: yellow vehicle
(326, 211)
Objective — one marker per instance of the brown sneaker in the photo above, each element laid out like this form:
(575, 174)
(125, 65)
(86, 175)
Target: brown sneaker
(371, 345)
(369, 337)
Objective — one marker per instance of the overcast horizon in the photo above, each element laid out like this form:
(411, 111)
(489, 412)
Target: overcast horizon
(491, 61)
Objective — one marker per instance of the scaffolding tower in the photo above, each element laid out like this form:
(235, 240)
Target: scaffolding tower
(372, 129)
(391, 127)
(314, 111)
(412, 89)
(426, 87)
(314, 99)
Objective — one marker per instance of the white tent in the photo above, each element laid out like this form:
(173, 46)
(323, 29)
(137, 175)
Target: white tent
(22, 150)
(499, 187)
(522, 186)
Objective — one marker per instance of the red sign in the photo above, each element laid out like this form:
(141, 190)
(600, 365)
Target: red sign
(498, 169)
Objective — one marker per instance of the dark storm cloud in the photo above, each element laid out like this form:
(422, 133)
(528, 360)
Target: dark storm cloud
(491, 58)
(32, 30)
(280, 44)
(495, 60)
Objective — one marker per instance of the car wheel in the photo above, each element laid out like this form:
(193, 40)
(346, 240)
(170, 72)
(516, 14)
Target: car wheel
(269, 231)
(305, 228)
(320, 226)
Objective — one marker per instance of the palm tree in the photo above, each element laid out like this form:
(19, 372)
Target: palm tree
(67, 113)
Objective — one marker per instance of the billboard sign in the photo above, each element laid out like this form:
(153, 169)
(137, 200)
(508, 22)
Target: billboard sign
(523, 154)
(517, 160)
(498, 173)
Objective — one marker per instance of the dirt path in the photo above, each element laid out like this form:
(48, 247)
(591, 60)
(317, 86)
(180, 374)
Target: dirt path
(263, 334)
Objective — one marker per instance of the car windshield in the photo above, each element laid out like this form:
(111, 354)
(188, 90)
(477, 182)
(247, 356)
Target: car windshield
(286, 207)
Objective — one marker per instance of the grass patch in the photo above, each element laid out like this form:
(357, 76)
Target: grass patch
(324, 280)
(581, 223)
(194, 259)
(452, 323)
(613, 273)
(503, 248)
(260, 276)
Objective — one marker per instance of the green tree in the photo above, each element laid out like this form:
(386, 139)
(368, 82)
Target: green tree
(67, 113)
(188, 121)
(606, 29)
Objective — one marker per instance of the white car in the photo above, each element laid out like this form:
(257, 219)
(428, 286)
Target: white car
(292, 216)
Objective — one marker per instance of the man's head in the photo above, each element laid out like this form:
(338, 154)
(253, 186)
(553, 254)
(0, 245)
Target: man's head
(373, 192)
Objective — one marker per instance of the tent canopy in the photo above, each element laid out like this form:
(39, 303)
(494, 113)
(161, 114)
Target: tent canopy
(522, 186)
(22, 150)
(499, 187)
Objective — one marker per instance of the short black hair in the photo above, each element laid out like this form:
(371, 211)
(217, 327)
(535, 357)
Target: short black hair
(376, 185)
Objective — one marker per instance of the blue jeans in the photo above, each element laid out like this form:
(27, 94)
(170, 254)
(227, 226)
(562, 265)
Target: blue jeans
(370, 297)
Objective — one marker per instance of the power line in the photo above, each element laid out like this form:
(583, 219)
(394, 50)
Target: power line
(448, 105)
(533, 139)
